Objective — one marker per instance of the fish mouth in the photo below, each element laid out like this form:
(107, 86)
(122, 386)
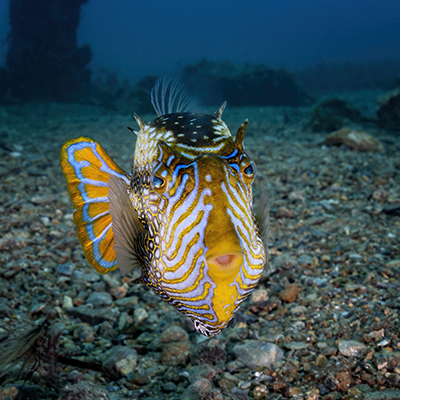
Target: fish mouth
(225, 263)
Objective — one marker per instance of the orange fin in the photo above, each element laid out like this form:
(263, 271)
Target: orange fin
(87, 168)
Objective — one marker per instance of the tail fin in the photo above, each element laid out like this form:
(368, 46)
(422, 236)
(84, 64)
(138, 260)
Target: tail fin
(87, 168)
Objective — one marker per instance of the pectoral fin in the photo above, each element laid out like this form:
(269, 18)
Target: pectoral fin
(126, 226)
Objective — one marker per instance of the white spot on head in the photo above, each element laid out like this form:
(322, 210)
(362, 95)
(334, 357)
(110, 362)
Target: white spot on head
(208, 178)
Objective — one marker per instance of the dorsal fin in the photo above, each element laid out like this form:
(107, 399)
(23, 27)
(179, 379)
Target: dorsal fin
(218, 113)
(169, 96)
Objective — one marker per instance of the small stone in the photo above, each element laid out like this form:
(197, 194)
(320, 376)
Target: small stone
(45, 199)
(84, 333)
(174, 333)
(99, 299)
(290, 294)
(198, 389)
(118, 292)
(122, 358)
(140, 315)
(387, 359)
(296, 345)
(129, 301)
(285, 213)
(93, 316)
(169, 387)
(175, 353)
(257, 354)
(351, 348)
(65, 269)
(259, 295)
(67, 302)
(357, 140)
(260, 392)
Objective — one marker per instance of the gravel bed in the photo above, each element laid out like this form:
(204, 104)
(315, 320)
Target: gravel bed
(323, 322)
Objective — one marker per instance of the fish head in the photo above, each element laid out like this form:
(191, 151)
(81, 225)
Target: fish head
(211, 254)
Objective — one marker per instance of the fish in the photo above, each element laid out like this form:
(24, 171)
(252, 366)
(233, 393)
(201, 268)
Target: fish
(184, 215)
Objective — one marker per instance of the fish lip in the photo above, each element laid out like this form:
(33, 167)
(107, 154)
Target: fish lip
(233, 261)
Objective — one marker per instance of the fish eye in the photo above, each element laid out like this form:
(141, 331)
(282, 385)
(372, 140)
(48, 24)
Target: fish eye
(157, 182)
(249, 170)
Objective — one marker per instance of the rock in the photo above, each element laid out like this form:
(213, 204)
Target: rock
(198, 389)
(387, 359)
(65, 269)
(129, 301)
(122, 358)
(173, 334)
(175, 353)
(351, 348)
(140, 315)
(296, 345)
(382, 395)
(290, 294)
(67, 302)
(259, 295)
(169, 387)
(93, 316)
(84, 333)
(99, 299)
(257, 354)
(357, 140)
(84, 391)
(45, 199)
(260, 392)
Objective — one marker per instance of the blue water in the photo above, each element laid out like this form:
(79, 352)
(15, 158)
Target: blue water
(134, 38)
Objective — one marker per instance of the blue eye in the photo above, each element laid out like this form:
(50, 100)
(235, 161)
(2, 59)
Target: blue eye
(157, 182)
(249, 170)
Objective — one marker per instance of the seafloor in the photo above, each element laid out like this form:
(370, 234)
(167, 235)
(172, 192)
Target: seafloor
(322, 324)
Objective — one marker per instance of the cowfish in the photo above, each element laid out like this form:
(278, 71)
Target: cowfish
(184, 215)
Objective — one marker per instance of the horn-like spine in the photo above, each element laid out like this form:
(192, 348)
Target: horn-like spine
(240, 136)
(218, 113)
(139, 121)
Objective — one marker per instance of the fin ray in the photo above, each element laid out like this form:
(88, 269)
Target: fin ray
(126, 226)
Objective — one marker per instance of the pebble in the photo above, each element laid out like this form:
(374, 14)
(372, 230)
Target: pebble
(99, 299)
(290, 294)
(351, 348)
(257, 354)
(67, 302)
(260, 392)
(140, 315)
(65, 269)
(357, 140)
(175, 353)
(123, 358)
(169, 387)
(84, 333)
(198, 389)
(259, 295)
(93, 316)
(173, 333)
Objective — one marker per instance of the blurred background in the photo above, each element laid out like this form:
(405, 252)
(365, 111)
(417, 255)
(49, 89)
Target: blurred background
(276, 52)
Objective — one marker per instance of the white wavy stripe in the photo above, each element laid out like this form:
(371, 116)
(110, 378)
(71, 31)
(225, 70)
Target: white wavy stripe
(197, 230)
(231, 194)
(248, 225)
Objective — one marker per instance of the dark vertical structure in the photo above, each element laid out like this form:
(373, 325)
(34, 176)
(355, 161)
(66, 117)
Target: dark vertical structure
(43, 61)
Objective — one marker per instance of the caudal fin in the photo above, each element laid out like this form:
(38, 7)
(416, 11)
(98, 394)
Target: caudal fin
(87, 168)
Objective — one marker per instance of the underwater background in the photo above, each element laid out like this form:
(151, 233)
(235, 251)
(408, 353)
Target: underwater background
(319, 82)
